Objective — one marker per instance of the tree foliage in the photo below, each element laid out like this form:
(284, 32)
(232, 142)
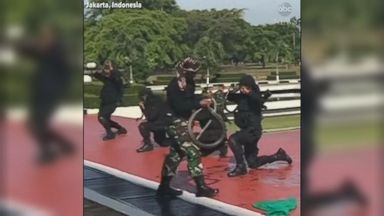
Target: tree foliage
(156, 37)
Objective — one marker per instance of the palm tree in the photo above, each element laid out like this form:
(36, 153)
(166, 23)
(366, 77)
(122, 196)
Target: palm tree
(266, 47)
(128, 51)
(212, 49)
(280, 49)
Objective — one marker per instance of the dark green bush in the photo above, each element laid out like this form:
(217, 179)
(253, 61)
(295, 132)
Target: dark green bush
(94, 88)
(92, 92)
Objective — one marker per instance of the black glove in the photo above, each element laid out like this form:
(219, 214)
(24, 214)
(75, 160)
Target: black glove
(267, 94)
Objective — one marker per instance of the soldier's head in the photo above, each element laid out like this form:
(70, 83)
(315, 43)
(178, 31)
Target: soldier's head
(188, 68)
(221, 87)
(108, 66)
(247, 84)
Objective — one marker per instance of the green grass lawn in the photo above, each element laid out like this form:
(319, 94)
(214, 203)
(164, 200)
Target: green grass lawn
(344, 136)
(279, 122)
(330, 137)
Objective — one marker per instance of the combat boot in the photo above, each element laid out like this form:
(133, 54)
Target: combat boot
(238, 152)
(202, 190)
(109, 136)
(165, 189)
(147, 146)
(240, 169)
(281, 155)
(121, 131)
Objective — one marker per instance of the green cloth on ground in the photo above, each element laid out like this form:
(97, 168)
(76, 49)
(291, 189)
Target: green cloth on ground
(277, 207)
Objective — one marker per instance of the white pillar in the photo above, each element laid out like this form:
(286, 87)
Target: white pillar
(277, 68)
(131, 81)
(207, 76)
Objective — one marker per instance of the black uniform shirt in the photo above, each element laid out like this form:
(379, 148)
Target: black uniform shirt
(156, 110)
(112, 91)
(249, 108)
(182, 102)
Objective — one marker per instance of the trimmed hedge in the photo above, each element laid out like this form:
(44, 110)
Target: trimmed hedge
(235, 77)
(92, 92)
(253, 67)
(290, 73)
(273, 77)
(168, 78)
(231, 79)
(93, 101)
(94, 88)
(165, 77)
(161, 82)
(230, 75)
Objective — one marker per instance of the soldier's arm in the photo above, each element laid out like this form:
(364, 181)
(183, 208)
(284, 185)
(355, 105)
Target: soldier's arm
(100, 76)
(234, 97)
(118, 81)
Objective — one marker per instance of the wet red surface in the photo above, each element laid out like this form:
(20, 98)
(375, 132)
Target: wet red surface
(275, 181)
(55, 188)
(360, 167)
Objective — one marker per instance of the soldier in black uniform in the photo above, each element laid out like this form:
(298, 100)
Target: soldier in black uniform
(111, 95)
(157, 119)
(248, 118)
(182, 100)
(50, 86)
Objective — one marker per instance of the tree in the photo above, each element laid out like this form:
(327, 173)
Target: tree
(212, 49)
(150, 39)
(154, 39)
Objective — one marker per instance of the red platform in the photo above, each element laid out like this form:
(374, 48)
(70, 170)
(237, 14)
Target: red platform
(275, 181)
(56, 188)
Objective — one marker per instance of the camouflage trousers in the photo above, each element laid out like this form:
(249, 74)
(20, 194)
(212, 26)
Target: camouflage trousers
(183, 147)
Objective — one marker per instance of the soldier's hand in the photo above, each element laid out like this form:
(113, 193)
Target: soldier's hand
(141, 104)
(267, 94)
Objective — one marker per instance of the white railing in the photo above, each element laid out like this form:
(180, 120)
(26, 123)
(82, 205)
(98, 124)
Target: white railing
(287, 103)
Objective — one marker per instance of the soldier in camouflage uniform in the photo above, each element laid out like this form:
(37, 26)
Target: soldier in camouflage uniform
(182, 100)
(185, 147)
(219, 97)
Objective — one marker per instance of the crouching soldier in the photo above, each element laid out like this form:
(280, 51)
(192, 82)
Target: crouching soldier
(158, 118)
